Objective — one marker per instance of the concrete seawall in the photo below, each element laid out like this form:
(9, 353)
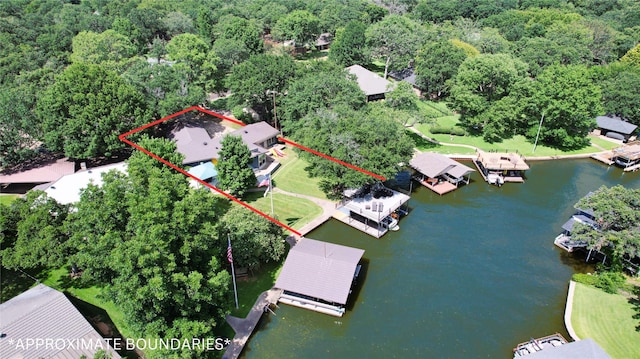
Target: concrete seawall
(567, 311)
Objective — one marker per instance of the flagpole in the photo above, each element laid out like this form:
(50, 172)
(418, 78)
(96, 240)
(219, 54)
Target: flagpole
(271, 190)
(233, 272)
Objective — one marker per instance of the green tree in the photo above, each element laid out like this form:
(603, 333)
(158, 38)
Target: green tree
(569, 100)
(617, 213)
(19, 135)
(372, 140)
(395, 41)
(318, 90)
(301, 26)
(619, 83)
(436, 63)
(96, 48)
(480, 82)
(86, 109)
(176, 23)
(252, 81)
(255, 240)
(194, 59)
(235, 175)
(348, 47)
(245, 31)
(632, 56)
(32, 233)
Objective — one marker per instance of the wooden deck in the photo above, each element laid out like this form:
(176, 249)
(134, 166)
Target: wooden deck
(372, 231)
(244, 327)
(440, 188)
(603, 157)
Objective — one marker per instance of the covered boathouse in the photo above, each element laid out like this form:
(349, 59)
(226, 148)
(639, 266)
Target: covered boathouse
(319, 276)
(439, 173)
(498, 168)
(373, 209)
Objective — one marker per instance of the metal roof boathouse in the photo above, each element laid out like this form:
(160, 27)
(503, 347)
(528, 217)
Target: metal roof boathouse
(319, 276)
(440, 173)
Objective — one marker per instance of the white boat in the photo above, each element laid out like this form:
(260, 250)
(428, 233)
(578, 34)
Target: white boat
(495, 178)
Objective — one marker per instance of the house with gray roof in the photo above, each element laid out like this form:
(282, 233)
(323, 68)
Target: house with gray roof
(439, 173)
(198, 146)
(324, 41)
(319, 275)
(47, 314)
(372, 84)
(616, 127)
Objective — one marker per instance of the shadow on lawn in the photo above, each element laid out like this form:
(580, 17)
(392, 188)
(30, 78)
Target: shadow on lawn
(635, 302)
(421, 143)
(102, 323)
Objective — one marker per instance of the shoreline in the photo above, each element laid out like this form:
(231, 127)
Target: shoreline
(568, 310)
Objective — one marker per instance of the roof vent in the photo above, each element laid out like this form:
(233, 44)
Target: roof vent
(204, 143)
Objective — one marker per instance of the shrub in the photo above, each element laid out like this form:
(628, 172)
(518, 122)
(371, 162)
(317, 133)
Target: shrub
(587, 279)
(457, 131)
(242, 115)
(610, 282)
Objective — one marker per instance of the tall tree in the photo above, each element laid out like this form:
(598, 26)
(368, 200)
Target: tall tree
(96, 48)
(619, 83)
(253, 81)
(348, 47)
(481, 81)
(32, 234)
(395, 41)
(569, 100)
(234, 174)
(245, 31)
(329, 88)
(436, 63)
(194, 58)
(301, 26)
(20, 133)
(86, 109)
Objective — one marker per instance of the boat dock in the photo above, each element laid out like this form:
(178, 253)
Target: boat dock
(244, 327)
(343, 216)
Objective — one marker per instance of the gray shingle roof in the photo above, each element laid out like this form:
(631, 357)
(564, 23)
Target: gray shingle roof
(45, 313)
(320, 270)
(369, 82)
(582, 349)
(197, 146)
(434, 165)
(615, 124)
(407, 75)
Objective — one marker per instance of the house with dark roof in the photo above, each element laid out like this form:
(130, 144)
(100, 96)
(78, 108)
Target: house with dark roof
(198, 146)
(28, 176)
(47, 314)
(616, 127)
(407, 75)
(324, 41)
(319, 276)
(372, 84)
(439, 173)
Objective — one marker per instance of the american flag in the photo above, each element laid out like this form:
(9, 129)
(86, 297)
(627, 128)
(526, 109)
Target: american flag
(229, 256)
(265, 182)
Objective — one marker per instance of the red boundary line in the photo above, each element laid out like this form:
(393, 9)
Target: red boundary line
(123, 138)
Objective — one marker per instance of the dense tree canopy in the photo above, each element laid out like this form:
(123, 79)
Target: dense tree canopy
(617, 212)
(436, 63)
(86, 109)
(301, 26)
(348, 46)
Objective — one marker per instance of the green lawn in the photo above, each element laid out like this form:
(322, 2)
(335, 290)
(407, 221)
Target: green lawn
(517, 143)
(603, 143)
(8, 198)
(60, 280)
(293, 211)
(607, 319)
(292, 176)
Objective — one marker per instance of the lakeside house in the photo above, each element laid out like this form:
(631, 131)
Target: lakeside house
(66, 190)
(616, 128)
(319, 276)
(373, 209)
(498, 167)
(439, 173)
(36, 174)
(45, 313)
(199, 146)
(626, 157)
(324, 41)
(582, 216)
(372, 84)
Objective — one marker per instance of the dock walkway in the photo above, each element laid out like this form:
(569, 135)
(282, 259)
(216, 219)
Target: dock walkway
(244, 327)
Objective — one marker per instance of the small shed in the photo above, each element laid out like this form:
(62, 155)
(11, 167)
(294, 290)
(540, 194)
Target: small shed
(318, 275)
(324, 41)
(616, 127)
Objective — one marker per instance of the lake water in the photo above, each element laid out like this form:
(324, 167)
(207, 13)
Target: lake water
(469, 275)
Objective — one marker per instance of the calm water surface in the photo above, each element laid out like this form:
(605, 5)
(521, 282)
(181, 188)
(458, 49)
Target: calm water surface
(469, 275)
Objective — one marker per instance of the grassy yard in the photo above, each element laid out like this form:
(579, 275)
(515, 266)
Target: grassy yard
(516, 143)
(293, 211)
(608, 319)
(8, 198)
(292, 176)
